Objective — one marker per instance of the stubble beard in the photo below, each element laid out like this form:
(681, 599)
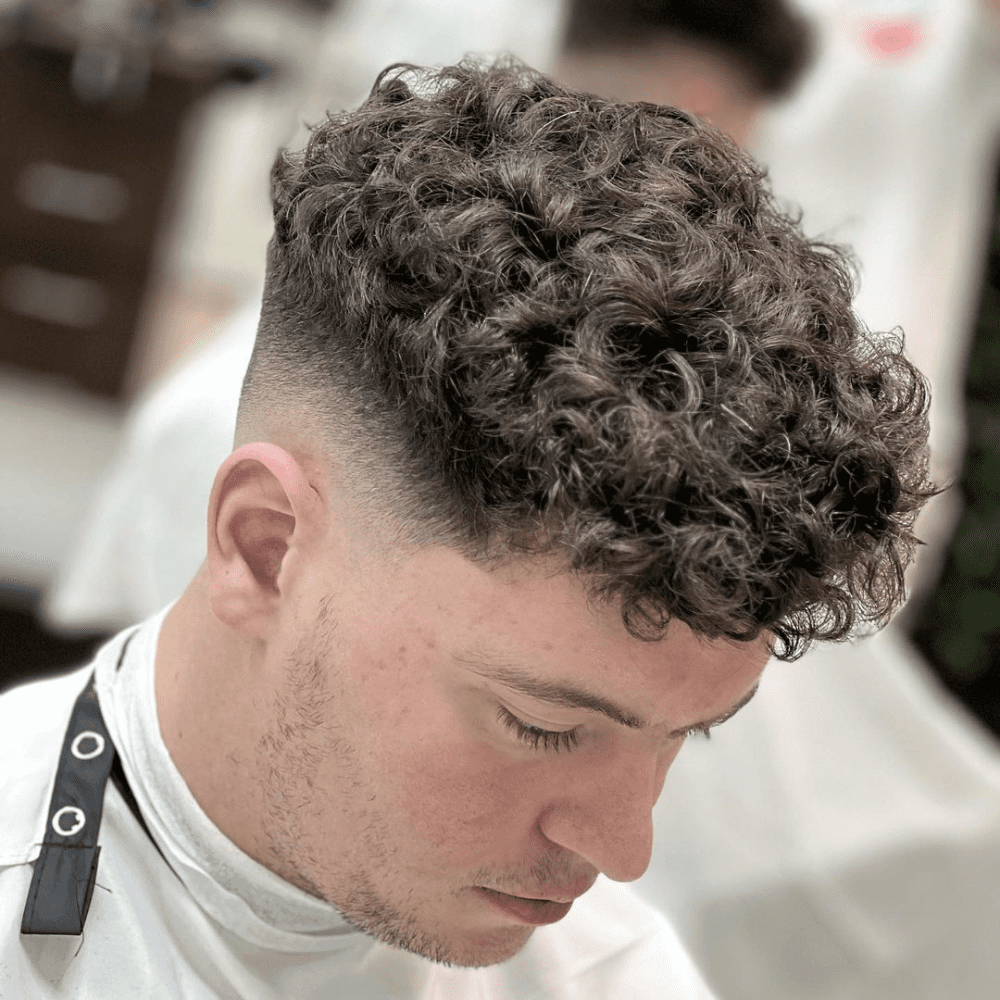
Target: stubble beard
(302, 735)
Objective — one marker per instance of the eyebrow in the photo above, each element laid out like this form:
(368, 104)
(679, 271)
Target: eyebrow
(570, 696)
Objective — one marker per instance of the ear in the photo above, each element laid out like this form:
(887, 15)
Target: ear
(264, 517)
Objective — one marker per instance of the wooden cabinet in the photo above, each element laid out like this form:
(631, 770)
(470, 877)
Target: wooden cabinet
(85, 186)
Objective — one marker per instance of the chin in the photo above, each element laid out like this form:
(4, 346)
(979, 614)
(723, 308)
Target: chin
(465, 948)
(481, 949)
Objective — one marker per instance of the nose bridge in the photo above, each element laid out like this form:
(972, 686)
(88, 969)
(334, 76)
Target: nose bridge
(605, 815)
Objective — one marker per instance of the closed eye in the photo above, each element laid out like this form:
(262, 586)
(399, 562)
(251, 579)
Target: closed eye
(537, 738)
(703, 731)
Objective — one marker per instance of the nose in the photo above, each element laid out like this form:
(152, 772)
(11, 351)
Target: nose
(604, 814)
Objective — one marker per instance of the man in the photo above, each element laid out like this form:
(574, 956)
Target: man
(555, 429)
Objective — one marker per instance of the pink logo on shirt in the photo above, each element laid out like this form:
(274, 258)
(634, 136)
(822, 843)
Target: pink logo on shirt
(890, 39)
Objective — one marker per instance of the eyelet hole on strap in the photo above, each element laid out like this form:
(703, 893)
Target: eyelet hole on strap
(79, 822)
(77, 751)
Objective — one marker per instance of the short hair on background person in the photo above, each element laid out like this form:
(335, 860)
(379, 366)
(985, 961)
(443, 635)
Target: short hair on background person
(770, 40)
(540, 322)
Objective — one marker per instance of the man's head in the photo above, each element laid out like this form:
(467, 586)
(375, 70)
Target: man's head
(720, 59)
(554, 428)
(535, 322)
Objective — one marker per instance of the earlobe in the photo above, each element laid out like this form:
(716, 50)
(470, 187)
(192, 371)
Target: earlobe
(262, 505)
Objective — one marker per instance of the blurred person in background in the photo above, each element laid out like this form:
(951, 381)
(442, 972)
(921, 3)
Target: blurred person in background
(809, 853)
(449, 637)
(720, 59)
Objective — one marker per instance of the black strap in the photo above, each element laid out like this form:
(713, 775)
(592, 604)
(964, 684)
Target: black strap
(63, 880)
(120, 782)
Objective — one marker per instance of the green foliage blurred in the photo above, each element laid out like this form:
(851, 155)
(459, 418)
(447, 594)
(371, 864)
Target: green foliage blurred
(958, 628)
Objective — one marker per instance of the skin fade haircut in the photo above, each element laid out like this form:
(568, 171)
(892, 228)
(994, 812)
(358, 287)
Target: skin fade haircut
(534, 322)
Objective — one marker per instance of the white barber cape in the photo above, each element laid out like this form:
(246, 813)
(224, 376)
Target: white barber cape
(203, 921)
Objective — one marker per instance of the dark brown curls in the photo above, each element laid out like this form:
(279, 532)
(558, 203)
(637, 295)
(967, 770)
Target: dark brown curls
(578, 326)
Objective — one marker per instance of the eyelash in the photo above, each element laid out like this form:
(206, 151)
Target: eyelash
(567, 739)
(539, 739)
(703, 731)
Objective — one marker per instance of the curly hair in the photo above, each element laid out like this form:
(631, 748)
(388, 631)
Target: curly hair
(556, 324)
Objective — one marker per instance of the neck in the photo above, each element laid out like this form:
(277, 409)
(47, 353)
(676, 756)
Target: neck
(205, 688)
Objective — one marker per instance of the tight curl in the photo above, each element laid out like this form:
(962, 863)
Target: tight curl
(587, 327)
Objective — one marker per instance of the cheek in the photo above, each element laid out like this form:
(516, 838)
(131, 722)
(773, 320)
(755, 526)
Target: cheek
(432, 777)
(459, 796)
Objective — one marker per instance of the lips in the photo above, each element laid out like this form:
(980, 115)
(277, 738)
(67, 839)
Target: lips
(528, 911)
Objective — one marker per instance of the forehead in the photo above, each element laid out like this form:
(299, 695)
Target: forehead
(542, 624)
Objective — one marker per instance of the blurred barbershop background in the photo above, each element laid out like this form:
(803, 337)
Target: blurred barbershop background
(840, 839)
